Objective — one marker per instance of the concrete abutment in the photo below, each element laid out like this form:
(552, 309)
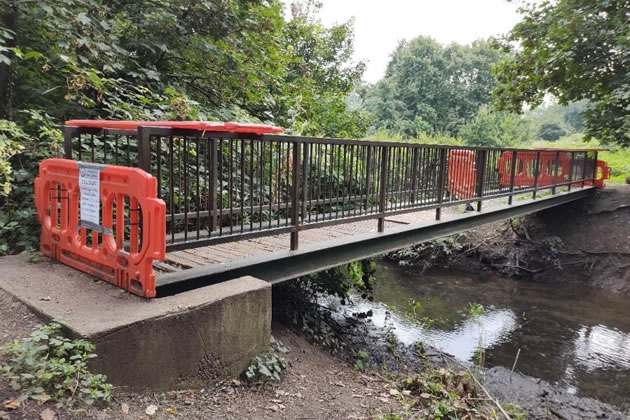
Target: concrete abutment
(178, 341)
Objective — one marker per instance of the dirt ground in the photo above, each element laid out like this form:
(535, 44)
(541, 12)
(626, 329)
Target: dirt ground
(316, 386)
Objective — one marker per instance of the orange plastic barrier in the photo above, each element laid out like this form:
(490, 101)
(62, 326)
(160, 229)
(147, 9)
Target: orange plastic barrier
(132, 229)
(462, 174)
(603, 173)
(526, 166)
(231, 127)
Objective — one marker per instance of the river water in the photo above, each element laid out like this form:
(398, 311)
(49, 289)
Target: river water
(570, 335)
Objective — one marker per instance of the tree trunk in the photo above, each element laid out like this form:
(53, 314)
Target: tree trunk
(8, 20)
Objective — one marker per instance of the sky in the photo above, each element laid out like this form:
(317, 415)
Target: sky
(380, 25)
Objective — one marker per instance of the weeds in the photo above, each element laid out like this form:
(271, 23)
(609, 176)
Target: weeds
(48, 366)
(269, 366)
(437, 253)
(475, 311)
(362, 356)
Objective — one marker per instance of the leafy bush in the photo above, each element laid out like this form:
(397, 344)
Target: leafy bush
(436, 253)
(10, 136)
(41, 139)
(48, 366)
(551, 132)
(359, 364)
(495, 129)
(269, 366)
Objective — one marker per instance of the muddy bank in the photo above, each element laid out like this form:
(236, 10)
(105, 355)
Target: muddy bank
(586, 242)
(394, 346)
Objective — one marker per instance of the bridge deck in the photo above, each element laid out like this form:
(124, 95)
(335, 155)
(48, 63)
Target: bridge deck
(270, 259)
(231, 251)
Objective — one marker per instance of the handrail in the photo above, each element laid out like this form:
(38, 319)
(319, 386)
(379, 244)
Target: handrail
(220, 186)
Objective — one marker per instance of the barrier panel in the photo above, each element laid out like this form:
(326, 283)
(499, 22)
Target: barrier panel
(602, 174)
(462, 174)
(527, 166)
(104, 220)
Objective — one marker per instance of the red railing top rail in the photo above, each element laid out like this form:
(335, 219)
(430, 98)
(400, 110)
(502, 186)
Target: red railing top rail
(227, 126)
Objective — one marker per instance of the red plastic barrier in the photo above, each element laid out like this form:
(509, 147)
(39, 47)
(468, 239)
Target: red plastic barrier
(231, 127)
(462, 174)
(132, 231)
(603, 173)
(526, 165)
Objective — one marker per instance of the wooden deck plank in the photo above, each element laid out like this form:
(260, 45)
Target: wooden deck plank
(230, 251)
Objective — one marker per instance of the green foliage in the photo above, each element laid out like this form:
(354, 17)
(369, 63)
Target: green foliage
(495, 129)
(19, 230)
(551, 132)
(269, 366)
(574, 50)
(362, 356)
(297, 302)
(390, 415)
(568, 117)
(443, 394)
(11, 137)
(48, 366)
(167, 59)
(429, 88)
(437, 253)
(514, 411)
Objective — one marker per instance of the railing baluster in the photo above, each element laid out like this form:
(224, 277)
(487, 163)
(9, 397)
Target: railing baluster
(295, 205)
(368, 178)
(383, 192)
(212, 190)
(440, 182)
(481, 172)
(555, 172)
(536, 174)
(305, 182)
(512, 175)
(571, 161)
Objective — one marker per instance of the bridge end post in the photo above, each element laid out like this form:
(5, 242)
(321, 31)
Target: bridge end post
(382, 202)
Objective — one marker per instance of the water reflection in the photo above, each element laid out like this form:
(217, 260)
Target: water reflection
(573, 336)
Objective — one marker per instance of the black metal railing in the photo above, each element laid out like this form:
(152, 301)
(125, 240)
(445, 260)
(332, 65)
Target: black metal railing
(220, 187)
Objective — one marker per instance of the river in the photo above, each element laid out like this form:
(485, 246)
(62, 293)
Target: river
(570, 335)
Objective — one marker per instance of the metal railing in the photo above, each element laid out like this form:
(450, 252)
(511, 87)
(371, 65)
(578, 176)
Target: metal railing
(220, 187)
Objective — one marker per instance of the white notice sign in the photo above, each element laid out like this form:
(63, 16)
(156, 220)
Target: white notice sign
(89, 185)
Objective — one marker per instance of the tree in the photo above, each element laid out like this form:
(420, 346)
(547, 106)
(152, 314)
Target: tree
(495, 129)
(160, 59)
(443, 86)
(574, 50)
(551, 132)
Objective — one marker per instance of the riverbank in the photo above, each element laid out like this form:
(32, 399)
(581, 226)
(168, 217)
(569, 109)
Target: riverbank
(320, 385)
(586, 242)
(317, 385)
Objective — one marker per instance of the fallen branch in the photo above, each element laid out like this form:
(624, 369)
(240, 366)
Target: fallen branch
(517, 266)
(604, 252)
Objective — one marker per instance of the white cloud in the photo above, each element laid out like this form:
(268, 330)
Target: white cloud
(380, 25)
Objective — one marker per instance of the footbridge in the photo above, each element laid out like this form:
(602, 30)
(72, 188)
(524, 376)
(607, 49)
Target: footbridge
(161, 207)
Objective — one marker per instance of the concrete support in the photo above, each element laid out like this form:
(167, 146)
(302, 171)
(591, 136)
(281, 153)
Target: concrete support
(178, 341)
